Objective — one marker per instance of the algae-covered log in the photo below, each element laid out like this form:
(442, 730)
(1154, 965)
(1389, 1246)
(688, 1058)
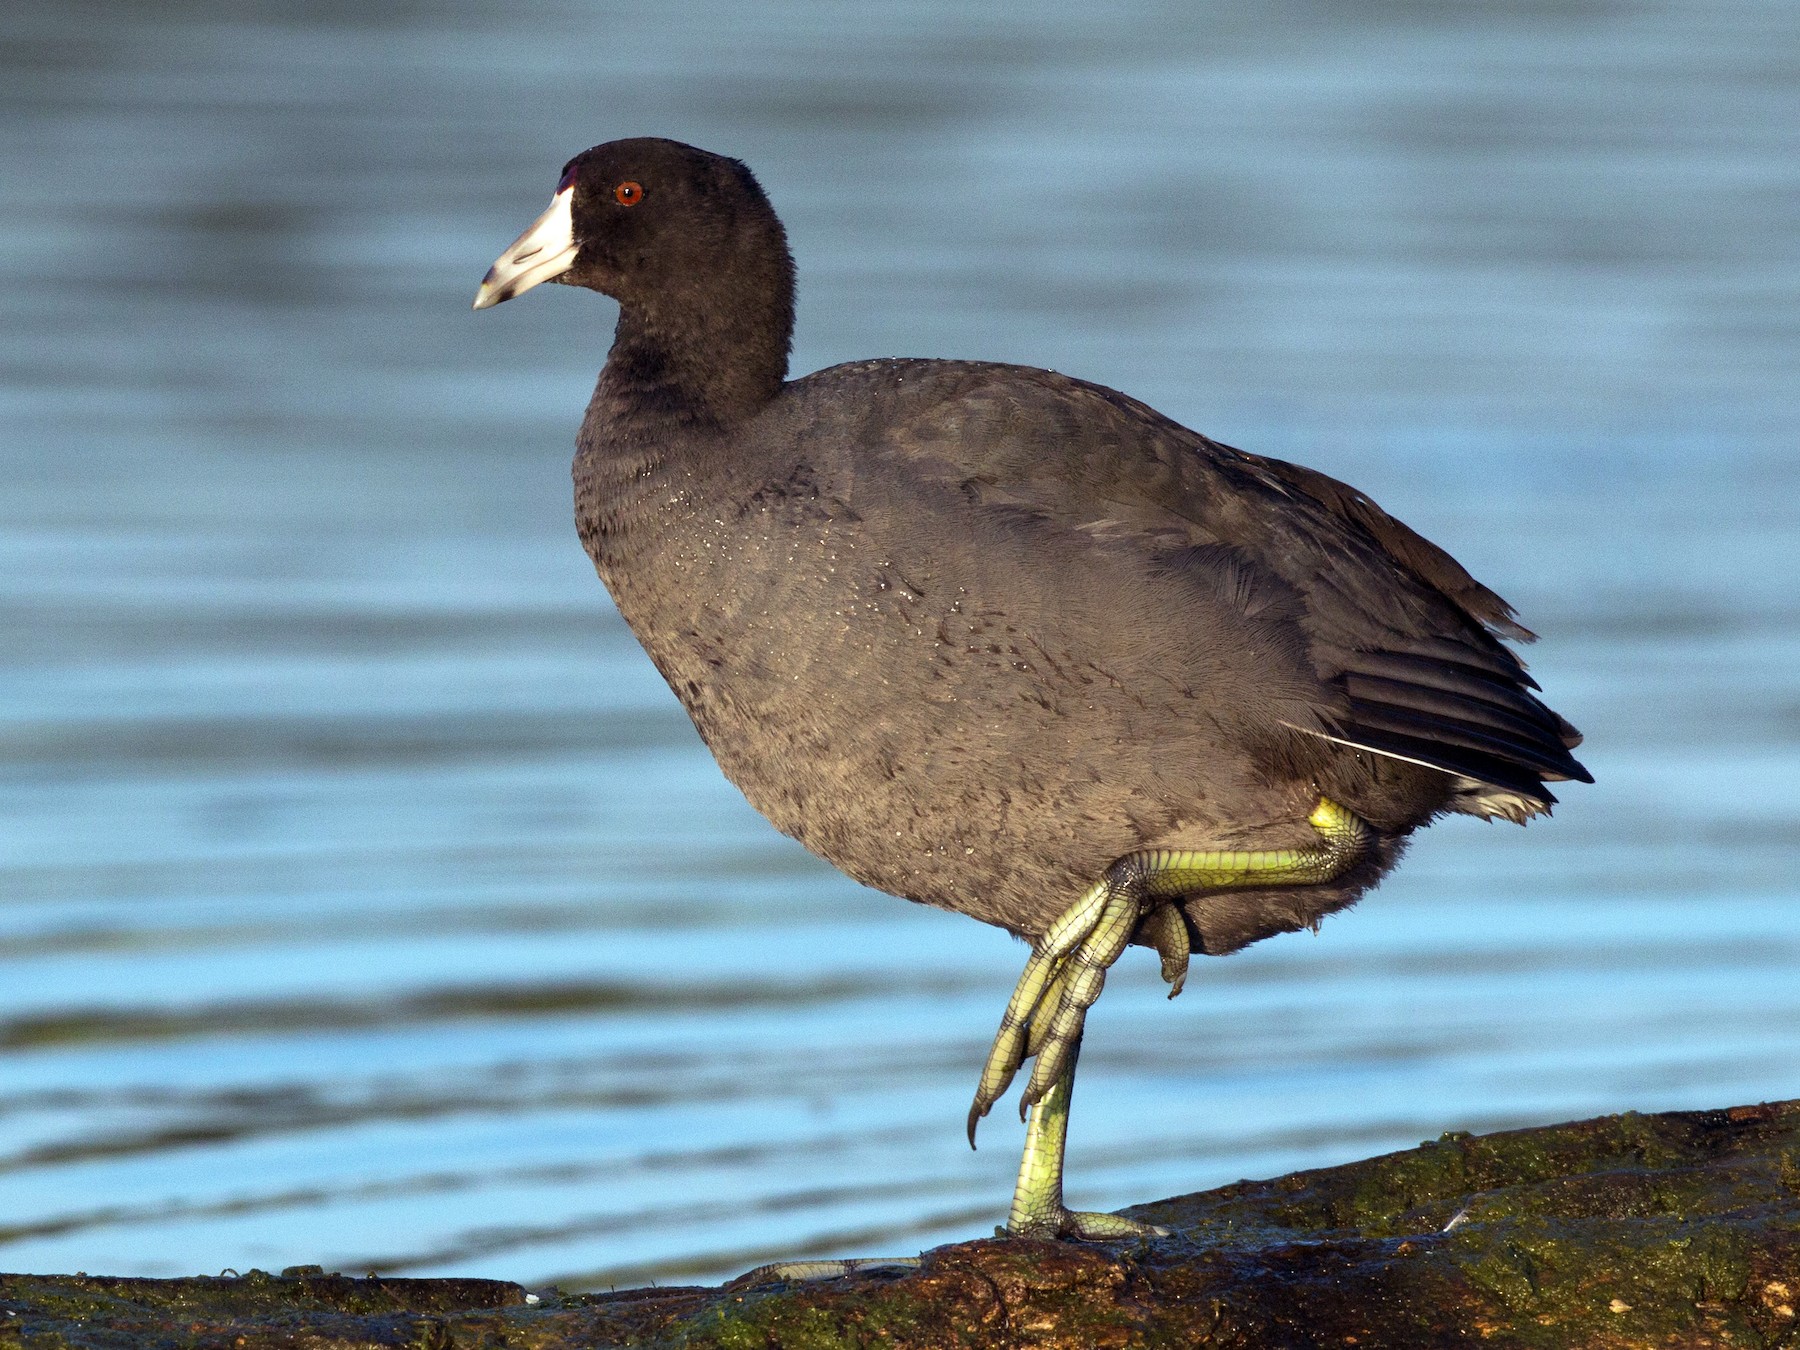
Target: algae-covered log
(1671, 1230)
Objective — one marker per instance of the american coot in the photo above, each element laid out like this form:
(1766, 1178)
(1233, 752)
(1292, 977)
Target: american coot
(1009, 643)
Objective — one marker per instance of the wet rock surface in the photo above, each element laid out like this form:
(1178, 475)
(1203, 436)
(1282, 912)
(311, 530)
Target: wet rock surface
(1674, 1230)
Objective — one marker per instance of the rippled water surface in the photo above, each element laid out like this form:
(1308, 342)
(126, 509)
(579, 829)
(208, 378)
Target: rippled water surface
(364, 897)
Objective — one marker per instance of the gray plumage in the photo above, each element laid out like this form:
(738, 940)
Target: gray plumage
(972, 632)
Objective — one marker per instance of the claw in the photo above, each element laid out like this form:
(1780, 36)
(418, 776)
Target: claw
(1169, 934)
(1067, 967)
(1010, 1047)
(1003, 1061)
(1060, 982)
(1004, 1058)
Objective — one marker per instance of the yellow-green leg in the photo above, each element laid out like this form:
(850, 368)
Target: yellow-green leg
(1067, 970)
(1037, 1204)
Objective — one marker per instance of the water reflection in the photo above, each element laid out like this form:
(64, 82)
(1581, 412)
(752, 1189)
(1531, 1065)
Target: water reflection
(365, 899)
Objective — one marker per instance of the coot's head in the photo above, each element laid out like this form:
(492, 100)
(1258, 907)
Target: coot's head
(652, 223)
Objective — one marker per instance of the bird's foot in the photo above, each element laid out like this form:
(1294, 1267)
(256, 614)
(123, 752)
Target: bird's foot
(805, 1272)
(1080, 1224)
(1068, 964)
(1067, 969)
(1060, 982)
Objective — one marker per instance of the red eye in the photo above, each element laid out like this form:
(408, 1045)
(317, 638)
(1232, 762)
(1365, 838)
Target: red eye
(628, 193)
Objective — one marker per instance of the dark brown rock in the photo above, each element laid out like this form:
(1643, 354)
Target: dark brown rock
(1677, 1230)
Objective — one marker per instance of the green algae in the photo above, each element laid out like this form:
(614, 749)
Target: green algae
(1680, 1229)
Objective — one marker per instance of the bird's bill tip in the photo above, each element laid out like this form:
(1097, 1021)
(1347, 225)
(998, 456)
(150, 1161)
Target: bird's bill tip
(492, 291)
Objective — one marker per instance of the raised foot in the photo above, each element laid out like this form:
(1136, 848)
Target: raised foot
(1068, 965)
(1083, 1226)
(1064, 976)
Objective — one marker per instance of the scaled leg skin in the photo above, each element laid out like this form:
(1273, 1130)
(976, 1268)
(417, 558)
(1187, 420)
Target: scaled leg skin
(1067, 970)
(809, 1272)
(1037, 1203)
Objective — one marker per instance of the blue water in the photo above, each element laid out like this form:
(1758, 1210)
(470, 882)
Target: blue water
(366, 900)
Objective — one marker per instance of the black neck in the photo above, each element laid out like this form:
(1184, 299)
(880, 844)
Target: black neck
(692, 370)
(668, 389)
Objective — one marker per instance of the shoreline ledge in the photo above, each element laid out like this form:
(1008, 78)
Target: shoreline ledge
(1673, 1230)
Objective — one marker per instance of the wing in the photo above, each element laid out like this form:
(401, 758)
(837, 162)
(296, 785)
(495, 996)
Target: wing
(1405, 642)
(1412, 640)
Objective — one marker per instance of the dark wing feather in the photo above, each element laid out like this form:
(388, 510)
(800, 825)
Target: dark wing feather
(1405, 640)
(1405, 546)
(1487, 770)
(1527, 727)
(1445, 692)
(1500, 664)
(1458, 732)
(1451, 680)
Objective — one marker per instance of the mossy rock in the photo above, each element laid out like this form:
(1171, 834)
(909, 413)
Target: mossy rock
(1676, 1230)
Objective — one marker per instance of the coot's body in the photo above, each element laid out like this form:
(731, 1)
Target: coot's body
(981, 635)
(1025, 625)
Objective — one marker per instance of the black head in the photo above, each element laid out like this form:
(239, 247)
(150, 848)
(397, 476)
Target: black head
(652, 223)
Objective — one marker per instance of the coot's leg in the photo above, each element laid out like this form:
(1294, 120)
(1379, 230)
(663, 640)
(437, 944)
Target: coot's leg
(1068, 965)
(1037, 1203)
